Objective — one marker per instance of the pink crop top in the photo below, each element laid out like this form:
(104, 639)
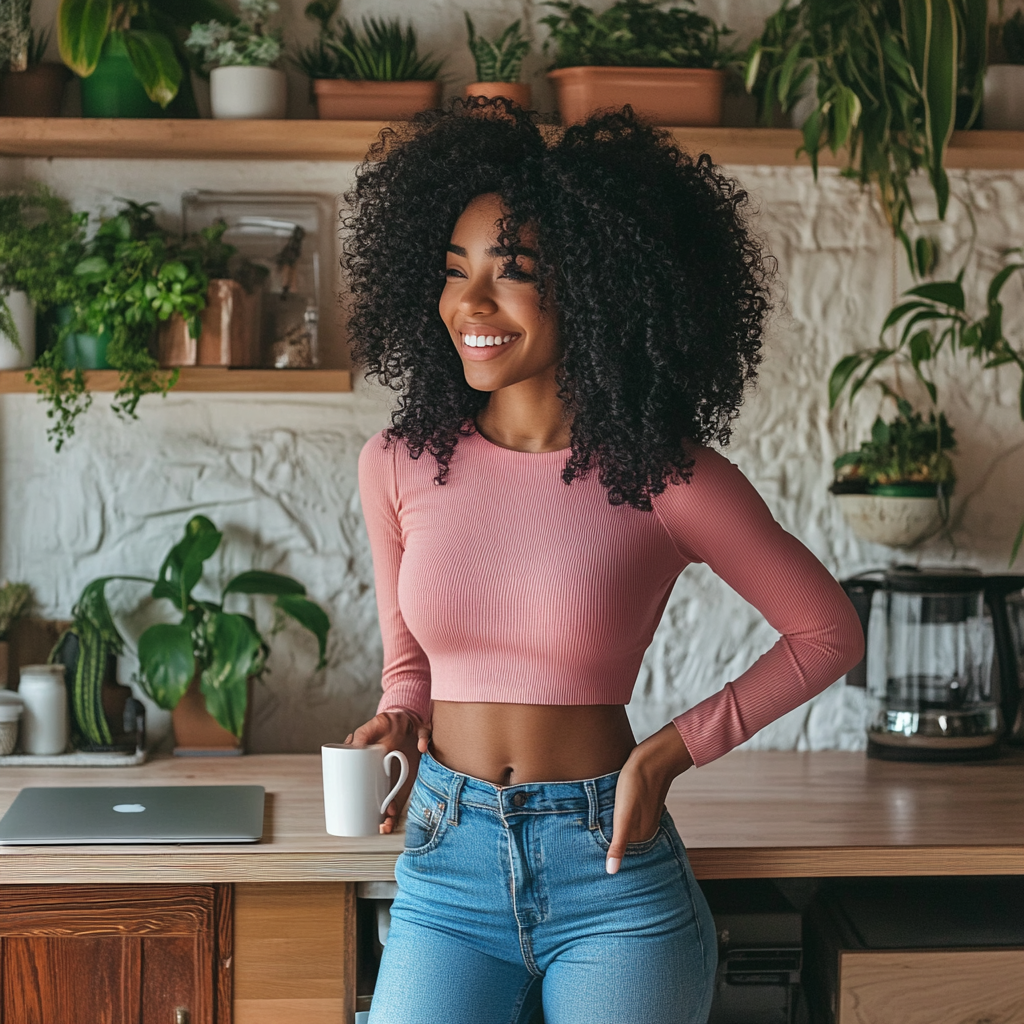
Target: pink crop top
(506, 585)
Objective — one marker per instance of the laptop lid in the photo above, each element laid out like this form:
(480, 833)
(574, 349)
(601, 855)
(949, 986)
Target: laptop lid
(134, 814)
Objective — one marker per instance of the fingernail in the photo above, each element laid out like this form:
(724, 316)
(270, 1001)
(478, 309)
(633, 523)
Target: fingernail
(611, 865)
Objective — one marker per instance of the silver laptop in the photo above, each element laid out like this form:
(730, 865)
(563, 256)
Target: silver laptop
(134, 814)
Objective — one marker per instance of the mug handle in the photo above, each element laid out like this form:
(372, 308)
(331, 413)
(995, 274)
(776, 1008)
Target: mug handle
(403, 775)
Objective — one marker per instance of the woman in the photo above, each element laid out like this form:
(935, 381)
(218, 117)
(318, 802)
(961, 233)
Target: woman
(569, 320)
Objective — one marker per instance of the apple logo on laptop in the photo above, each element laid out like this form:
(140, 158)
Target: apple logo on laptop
(129, 808)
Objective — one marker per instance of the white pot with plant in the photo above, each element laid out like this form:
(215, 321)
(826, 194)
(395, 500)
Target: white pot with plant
(240, 59)
(895, 488)
(17, 331)
(498, 64)
(1004, 76)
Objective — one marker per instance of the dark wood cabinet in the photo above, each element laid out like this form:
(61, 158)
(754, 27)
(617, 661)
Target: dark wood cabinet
(115, 954)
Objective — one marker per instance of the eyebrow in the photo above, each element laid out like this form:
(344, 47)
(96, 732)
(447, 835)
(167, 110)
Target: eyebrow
(496, 250)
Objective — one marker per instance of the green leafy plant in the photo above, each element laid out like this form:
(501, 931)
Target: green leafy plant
(247, 42)
(931, 318)
(321, 59)
(222, 647)
(635, 33)
(889, 76)
(41, 241)
(500, 60)
(14, 601)
(151, 32)
(778, 63)
(907, 450)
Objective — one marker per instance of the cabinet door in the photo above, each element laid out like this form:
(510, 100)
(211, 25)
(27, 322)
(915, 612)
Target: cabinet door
(128, 954)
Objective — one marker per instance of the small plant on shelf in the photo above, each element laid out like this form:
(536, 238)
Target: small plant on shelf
(907, 454)
(500, 60)
(245, 42)
(219, 650)
(635, 33)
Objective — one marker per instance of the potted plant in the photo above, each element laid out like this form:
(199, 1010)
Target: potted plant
(228, 332)
(201, 667)
(29, 86)
(777, 68)
(130, 55)
(1004, 76)
(892, 81)
(498, 64)
(894, 489)
(666, 64)
(376, 75)
(132, 277)
(14, 602)
(241, 58)
(41, 240)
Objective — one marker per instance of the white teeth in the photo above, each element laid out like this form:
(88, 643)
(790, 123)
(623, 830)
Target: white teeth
(507, 338)
(480, 340)
(489, 342)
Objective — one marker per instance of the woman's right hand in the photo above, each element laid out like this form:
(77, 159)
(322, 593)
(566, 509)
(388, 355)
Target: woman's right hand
(395, 730)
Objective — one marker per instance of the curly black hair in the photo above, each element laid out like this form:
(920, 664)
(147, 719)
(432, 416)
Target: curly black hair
(660, 287)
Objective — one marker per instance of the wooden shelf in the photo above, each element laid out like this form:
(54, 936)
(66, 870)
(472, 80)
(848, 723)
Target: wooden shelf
(349, 140)
(211, 379)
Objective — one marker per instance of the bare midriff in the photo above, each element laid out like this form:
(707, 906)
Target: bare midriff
(512, 743)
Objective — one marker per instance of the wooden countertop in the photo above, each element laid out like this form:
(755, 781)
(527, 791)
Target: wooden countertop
(750, 814)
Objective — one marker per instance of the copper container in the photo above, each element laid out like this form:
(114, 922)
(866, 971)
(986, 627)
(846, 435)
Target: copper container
(672, 97)
(230, 330)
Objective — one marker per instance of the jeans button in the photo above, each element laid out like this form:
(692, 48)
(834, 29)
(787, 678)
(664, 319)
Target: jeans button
(519, 799)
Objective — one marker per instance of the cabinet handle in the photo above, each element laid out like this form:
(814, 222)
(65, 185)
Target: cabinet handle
(181, 1015)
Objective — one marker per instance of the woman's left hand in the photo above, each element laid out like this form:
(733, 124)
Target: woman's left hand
(640, 793)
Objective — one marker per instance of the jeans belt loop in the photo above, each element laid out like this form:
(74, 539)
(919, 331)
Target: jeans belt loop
(592, 817)
(453, 798)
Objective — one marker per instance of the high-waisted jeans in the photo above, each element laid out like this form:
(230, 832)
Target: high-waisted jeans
(504, 903)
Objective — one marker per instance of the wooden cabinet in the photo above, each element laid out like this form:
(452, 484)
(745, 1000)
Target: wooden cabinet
(116, 954)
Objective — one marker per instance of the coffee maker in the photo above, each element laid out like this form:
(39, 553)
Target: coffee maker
(941, 667)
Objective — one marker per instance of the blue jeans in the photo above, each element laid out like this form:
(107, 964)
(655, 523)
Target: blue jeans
(504, 903)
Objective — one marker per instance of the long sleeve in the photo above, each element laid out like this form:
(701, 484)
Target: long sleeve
(406, 676)
(719, 519)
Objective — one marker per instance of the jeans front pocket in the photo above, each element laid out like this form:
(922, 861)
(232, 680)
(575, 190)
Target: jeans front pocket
(603, 833)
(426, 822)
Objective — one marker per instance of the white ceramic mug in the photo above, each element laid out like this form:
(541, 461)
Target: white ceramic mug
(357, 787)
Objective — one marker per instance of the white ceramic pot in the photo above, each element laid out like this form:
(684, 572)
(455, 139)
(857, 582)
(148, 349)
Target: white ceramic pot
(897, 522)
(240, 92)
(24, 315)
(1004, 97)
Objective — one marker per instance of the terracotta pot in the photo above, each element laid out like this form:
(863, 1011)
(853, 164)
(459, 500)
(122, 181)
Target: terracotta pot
(229, 335)
(517, 92)
(338, 99)
(198, 734)
(674, 97)
(38, 92)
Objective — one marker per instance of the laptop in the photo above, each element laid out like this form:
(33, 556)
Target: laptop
(133, 814)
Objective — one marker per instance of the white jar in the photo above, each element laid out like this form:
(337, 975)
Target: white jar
(10, 711)
(243, 92)
(44, 722)
(24, 315)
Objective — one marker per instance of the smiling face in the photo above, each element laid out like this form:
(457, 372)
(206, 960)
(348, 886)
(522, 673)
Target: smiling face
(491, 305)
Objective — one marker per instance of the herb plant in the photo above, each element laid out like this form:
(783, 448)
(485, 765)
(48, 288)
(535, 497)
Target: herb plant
(905, 450)
(247, 42)
(224, 648)
(502, 59)
(635, 33)
(14, 602)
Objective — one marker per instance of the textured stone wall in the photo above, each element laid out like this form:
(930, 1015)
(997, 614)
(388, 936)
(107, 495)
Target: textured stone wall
(277, 472)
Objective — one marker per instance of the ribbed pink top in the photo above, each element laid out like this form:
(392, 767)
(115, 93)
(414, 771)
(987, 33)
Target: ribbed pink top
(506, 585)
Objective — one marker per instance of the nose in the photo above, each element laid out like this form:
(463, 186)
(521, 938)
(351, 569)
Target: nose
(477, 298)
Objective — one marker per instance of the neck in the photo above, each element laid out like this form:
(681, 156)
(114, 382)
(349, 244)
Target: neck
(527, 416)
